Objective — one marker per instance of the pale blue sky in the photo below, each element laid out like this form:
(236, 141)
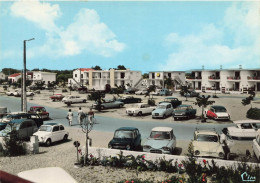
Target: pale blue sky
(142, 35)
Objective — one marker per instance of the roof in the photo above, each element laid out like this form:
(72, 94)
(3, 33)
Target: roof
(51, 124)
(207, 132)
(162, 129)
(15, 75)
(246, 121)
(86, 69)
(218, 107)
(184, 105)
(127, 128)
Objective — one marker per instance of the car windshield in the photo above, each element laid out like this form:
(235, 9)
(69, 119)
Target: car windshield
(181, 108)
(160, 135)
(123, 134)
(45, 128)
(207, 138)
(220, 110)
(161, 107)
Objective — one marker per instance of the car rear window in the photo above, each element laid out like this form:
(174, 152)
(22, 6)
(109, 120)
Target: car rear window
(207, 138)
(123, 134)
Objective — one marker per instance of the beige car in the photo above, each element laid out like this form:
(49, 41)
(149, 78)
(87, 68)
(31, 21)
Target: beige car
(206, 143)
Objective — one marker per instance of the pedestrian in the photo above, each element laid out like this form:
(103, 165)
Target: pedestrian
(80, 116)
(90, 115)
(70, 117)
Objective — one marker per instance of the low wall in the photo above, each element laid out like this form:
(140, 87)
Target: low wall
(100, 152)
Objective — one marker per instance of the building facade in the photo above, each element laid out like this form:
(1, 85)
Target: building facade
(225, 80)
(98, 79)
(47, 77)
(158, 78)
(14, 77)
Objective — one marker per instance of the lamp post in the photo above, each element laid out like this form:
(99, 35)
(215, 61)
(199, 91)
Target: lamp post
(24, 76)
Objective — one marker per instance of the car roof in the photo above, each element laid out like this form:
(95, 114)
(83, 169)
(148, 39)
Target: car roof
(162, 129)
(127, 128)
(52, 124)
(184, 105)
(246, 121)
(171, 98)
(207, 132)
(218, 107)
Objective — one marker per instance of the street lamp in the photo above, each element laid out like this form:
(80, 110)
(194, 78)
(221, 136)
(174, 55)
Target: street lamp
(24, 101)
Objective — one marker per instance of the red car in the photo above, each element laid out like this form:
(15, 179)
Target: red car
(57, 97)
(41, 111)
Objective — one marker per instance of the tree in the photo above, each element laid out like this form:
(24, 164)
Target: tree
(118, 90)
(97, 96)
(150, 89)
(184, 91)
(120, 67)
(96, 68)
(107, 88)
(145, 76)
(203, 102)
(169, 83)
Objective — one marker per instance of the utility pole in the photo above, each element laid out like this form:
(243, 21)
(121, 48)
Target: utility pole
(24, 76)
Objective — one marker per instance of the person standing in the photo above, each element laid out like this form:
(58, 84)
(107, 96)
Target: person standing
(90, 115)
(70, 117)
(80, 116)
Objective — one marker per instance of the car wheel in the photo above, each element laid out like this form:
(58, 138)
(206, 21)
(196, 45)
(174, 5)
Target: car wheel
(48, 142)
(120, 105)
(164, 116)
(139, 101)
(175, 119)
(140, 113)
(65, 138)
(84, 101)
(102, 107)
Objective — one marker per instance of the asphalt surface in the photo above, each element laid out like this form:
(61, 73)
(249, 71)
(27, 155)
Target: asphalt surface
(183, 131)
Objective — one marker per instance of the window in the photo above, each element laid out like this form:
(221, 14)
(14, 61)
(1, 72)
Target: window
(55, 128)
(81, 75)
(246, 126)
(23, 125)
(61, 127)
(75, 75)
(256, 125)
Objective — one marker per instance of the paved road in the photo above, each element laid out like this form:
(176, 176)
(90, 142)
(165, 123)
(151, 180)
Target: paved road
(182, 131)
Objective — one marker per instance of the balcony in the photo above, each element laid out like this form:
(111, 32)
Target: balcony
(253, 78)
(193, 78)
(233, 78)
(213, 78)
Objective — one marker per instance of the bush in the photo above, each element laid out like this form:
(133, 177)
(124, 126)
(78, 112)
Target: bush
(13, 145)
(253, 113)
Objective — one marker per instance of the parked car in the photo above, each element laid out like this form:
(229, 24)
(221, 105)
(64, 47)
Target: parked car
(163, 110)
(130, 91)
(174, 101)
(22, 115)
(107, 104)
(83, 90)
(128, 138)
(256, 147)
(24, 127)
(217, 112)
(140, 109)
(12, 93)
(18, 93)
(73, 99)
(51, 132)
(129, 99)
(206, 143)
(141, 92)
(156, 92)
(41, 111)
(165, 92)
(191, 94)
(161, 140)
(244, 129)
(57, 97)
(184, 112)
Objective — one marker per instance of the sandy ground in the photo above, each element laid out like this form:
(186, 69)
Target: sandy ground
(64, 154)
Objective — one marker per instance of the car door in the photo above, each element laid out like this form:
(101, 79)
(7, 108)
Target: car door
(55, 133)
(211, 113)
(138, 138)
(169, 109)
(22, 131)
(61, 132)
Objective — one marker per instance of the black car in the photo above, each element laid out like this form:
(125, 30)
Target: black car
(128, 138)
(129, 99)
(35, 117)
(174, 101)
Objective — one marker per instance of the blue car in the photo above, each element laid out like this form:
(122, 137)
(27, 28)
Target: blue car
(163, 110)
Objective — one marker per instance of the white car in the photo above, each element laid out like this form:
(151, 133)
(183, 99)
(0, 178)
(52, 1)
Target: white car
(217, 112)
(140, 109)
(141, 92)
(73, 99)
(51, 132)
(244, 129)
(256, 147)
(162, 140)
(12, 93)
(206, 143)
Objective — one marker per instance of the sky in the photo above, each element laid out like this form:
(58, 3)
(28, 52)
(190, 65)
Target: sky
(141, 35)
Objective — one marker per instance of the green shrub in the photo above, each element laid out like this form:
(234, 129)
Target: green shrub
(253, 113)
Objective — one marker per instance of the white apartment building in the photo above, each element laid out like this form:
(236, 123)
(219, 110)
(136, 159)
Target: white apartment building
(98, 79)
(225, 80)
(47, 77)
(158, 77)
